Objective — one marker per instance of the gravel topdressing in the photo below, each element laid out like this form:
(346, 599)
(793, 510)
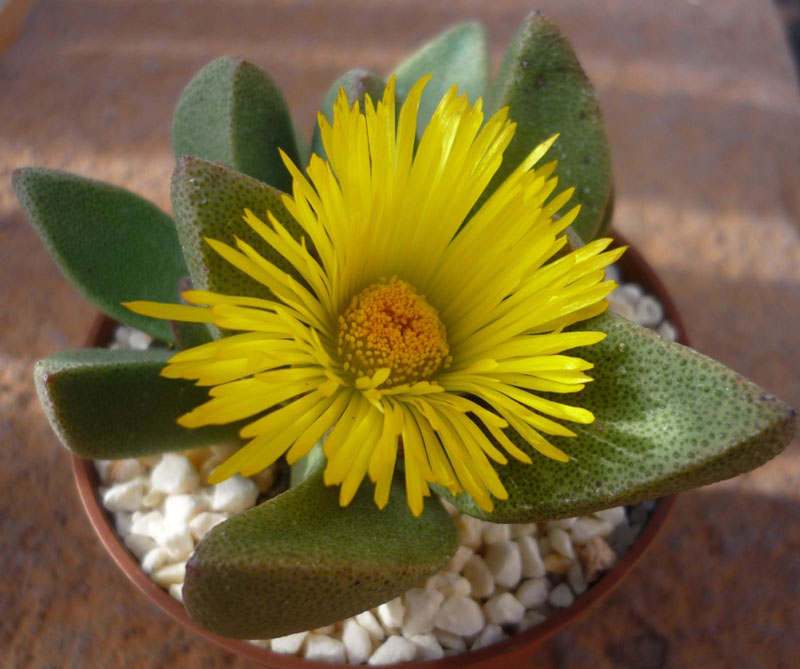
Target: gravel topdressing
(502, 580)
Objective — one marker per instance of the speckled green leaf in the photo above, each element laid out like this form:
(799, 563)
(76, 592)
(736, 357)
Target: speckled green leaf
(111, 244)
(299, 561)
(356, 84)
(233, 112)
(457, 56)
(209, 200)
(666, 419)
(111, 404)
(547, 92)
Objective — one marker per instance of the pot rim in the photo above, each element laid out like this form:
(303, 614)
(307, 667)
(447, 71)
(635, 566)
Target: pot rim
(518, 647)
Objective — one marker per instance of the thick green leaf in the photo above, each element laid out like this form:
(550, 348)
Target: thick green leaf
(299, 561)
(112, 404)
(547, 92)
(357, 84)
(457, 56)
(209, 201)
(667, 419)
(233, 112)
(112, 245)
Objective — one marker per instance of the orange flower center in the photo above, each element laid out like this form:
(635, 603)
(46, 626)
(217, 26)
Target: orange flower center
(389, 325)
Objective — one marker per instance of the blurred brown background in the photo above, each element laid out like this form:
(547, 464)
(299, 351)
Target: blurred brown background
(701, 104)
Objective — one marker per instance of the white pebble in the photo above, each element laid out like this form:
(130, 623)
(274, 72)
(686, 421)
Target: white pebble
(174, 474)
(613, 516)
(632, 291)
(126, 496)
(123, 520)
(172, 573)
(561, 596)
(289, 644)
(139, 544)
(597, 556)
(356, 641)
(391, 614)
(325, 629)
(371, 624)
(648, 311)
(460, 615)
(102, 467)
(177, 540)
(149, 524)
(561, 543)
(180, 509)
(138, 340)
(470, 530)
(480, 578)
(576, 579)
(150, 461)
(428, 647)
(395, 649)
(422, 605)
(154, 559)
(589, 528)
(125, 470)
(505, 563)
(613, 273)
(322, 648)
(621, 305)
(203, 522)
(562, 523)
(489, 635)
(456, 564)
(668, 331)
(461, 586)
(234, 495)
(503, 609)
(123, 335)
(450, 583)
(153, 498)
(450, 641)
(176, 591)
(532, 563)
(533, 592)
(522, 530)
(557, 564)
(494, 532)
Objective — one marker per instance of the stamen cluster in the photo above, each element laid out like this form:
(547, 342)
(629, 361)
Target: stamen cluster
(389, 325)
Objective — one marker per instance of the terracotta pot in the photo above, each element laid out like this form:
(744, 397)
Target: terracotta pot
(518, 648)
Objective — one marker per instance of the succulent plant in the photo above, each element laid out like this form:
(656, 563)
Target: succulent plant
(656, 419)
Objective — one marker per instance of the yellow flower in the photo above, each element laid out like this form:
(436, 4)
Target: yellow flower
(415, 331)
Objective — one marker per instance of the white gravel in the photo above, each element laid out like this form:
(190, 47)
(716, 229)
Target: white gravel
(503, 579)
